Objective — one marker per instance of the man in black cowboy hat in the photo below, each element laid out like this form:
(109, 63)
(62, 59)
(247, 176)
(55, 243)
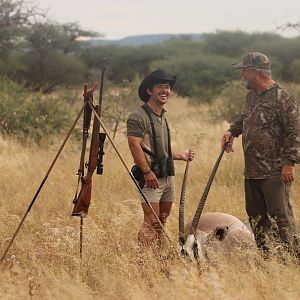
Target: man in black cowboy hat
(149, 142)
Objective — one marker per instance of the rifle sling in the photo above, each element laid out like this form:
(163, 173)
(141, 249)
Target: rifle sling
(148, 151)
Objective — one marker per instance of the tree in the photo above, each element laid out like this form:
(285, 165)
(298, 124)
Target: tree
(227, 43)
(14, 15)
(288, 26)
(50, 55)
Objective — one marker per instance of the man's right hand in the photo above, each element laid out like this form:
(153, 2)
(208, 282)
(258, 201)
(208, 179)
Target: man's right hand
(151, 180)
(227, 138)
(287, 174)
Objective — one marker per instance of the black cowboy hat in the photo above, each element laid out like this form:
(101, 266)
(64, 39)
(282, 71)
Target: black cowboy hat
(157, 76)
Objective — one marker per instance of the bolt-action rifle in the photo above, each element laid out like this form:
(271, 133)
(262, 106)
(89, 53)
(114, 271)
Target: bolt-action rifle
(102, 135)
(83, 200)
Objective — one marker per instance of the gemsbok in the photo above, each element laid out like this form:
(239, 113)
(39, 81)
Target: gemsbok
(211, 232)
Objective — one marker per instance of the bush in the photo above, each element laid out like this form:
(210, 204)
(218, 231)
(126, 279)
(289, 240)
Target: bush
(294, 89)
(29, 115)
(295, 70)
(230, 102)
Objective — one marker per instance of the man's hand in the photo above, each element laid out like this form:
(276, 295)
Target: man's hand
(227, 138)
(186, 155)
(287, 173)
(151, 180)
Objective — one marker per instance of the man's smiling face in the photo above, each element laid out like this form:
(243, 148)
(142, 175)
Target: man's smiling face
(160, 92)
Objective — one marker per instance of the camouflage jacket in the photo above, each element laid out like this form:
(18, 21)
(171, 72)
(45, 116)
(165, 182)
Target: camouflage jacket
(270, 126)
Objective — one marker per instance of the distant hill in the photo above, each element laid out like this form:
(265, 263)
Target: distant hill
(138, 40)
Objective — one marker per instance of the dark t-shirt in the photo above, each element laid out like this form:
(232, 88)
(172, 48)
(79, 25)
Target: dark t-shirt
(138, 125)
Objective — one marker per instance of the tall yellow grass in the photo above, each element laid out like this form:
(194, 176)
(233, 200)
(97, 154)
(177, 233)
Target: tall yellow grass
(44, 263)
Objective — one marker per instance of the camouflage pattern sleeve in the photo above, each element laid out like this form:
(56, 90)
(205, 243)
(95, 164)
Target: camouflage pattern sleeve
(288, 113)
(237, 127)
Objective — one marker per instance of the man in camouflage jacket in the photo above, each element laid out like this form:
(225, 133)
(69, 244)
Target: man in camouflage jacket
(270, 128)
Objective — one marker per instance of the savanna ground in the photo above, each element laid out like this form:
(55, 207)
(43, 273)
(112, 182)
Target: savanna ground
(44, 262)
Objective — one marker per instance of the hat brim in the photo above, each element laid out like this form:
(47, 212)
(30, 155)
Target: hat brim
(149, 81)
(241, 66)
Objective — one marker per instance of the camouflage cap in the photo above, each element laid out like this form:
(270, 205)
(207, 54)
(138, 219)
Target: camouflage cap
(254, 60)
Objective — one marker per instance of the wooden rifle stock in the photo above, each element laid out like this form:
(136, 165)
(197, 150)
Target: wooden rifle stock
(84, 198)
(82, 202)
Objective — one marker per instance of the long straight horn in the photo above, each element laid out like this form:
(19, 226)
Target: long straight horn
(181, 206)
(206, 191)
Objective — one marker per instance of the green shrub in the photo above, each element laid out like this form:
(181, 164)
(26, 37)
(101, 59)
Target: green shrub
(294, 89)
(230, 102)
(29, 115)
(295, 70)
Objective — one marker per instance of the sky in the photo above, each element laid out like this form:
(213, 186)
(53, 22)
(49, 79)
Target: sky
(116, 19)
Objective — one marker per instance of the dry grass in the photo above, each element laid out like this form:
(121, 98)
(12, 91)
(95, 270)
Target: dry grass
(44, 263)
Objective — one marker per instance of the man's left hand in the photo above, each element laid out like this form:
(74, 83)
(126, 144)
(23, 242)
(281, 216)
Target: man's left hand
(287, 174)
(188, 154)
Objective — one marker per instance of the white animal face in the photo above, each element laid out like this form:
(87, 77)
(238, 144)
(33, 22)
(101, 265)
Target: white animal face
(195, 245)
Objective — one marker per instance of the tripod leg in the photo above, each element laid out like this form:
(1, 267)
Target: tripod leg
(81, 235)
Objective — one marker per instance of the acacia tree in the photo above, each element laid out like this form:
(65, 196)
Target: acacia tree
(14, 15)
(50, 55)
(288, 26)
